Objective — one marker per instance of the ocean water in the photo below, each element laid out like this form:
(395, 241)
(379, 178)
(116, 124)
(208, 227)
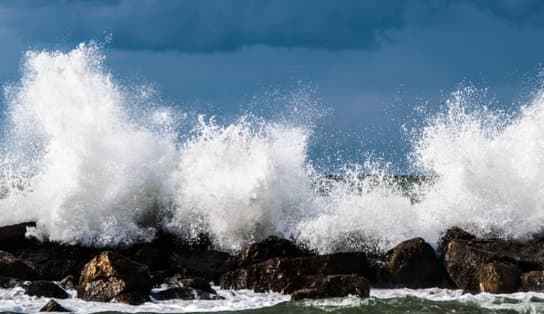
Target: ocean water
(96, 162)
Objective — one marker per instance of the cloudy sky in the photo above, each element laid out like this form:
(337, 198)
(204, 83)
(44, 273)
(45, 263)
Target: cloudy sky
(370, 63)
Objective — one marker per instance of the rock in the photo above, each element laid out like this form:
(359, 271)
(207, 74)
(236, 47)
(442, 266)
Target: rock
(53, 306)
(68, 283)
(333, 286)
(8, 282)
(10, 266)
(497, 277)
(184, 293)
(13, 237)
(54, 262)
(463, 259)
(110, 274)
(132, 297)
(454, 233)
(42, 288)
(412, 264)
(149, 256)
(289, 274)
(208, 264)
(532, 281)
(270, 247)
(178, 280)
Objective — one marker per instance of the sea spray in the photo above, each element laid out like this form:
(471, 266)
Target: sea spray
(93, 162)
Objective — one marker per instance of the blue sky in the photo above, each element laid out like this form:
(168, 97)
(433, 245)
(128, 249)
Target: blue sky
(369, 62)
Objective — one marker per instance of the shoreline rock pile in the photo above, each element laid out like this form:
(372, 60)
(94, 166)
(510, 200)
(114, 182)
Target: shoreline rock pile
(169, 268)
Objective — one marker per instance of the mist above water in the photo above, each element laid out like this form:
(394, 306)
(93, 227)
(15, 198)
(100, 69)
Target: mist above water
(97, 163)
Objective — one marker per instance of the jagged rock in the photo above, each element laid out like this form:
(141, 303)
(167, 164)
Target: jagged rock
(290, 274)
(68, 283)
(413, 264)
(497, 277)
(42, 288)
(53, 306)
(132, 297)
(110, 274)
(54, 262)
(13, 237)
(208, 264)
(10, 266)
(532, 281)
(333, 286)
(184, 293)
(270, 247)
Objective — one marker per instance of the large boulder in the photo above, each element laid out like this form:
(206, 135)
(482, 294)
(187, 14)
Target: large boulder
(463, 258)
(13, 237)
(497, 277)
(413, 264)
(333, 286)
(209, 264)
(110, 274)
(42, 288)
(53, 306)
(52, 261)
(11, 266)
(290, 274)
(454, 233)
(270, 247)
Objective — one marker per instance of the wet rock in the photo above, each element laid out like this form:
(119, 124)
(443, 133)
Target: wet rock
(454, 233)
(413, 264)
(54, 262)
(42, 288)
(290, 274)
(178, 280)
(132, 297)
(68, 283)
(270, 247)
(110, 274)
(13, 237)
(463, 259)
(333, 286)
(497, 277)
(11, 266)
(532, 281)
(53, 306)
(208, 264)
(184, 293)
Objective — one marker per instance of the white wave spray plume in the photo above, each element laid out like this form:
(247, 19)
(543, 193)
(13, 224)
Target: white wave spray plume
(91, 167)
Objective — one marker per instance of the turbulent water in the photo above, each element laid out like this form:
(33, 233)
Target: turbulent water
(102, 164)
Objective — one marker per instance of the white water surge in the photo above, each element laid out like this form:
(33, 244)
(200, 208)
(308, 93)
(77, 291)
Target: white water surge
(97, 163)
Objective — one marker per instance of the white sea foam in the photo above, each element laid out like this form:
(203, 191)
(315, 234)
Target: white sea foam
(98, 163)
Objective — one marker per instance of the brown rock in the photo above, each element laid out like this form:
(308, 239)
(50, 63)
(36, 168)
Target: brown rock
(110, 274)
(532, 281)
(132, 297)
(333, 286)
(42, 288)
(454, 233)
(53, 306)
(270, 247)
(289, 274)
(497, 277)
(413, 264)
(10, 266)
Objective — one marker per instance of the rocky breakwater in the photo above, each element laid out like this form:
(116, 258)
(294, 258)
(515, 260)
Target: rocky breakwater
(171, 268)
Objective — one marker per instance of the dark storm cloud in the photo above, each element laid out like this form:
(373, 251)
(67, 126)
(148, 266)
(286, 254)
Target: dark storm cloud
(220, 25)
